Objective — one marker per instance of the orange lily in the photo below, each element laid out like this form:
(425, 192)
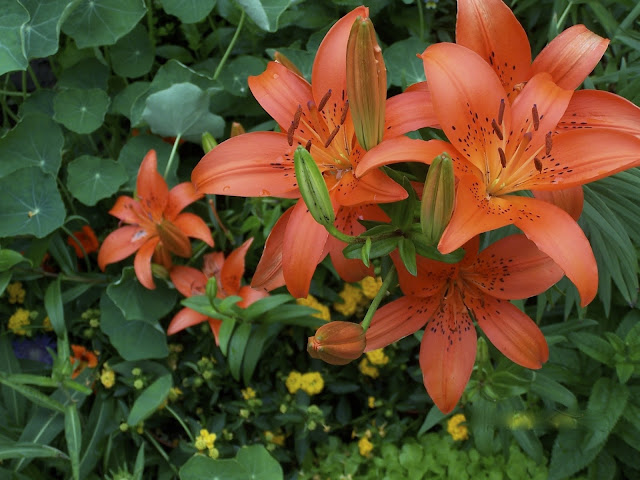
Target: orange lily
(317, 116)
(227, 272)
(85, 237)
(83, 358)
(445, 298)
(156, 228)
(499, 149)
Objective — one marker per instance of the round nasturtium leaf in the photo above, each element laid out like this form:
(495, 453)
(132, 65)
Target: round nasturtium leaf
(132, 55)
(85, 73)
(189, 11)
(234, 76)
(12, 21)
(30, 203)
(124, 100)
(404, 69)
(81, 111)
(136, 148)
(42, 32)
(90, 179)
(265, 13)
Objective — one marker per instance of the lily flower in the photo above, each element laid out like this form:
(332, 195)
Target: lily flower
(316, 116)
(500, 149)
(227, 272)
(446, 298)
(155, 227)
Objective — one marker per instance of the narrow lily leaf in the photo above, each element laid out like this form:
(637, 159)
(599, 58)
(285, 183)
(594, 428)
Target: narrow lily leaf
(33, 395)
(55, 310)
(407, 251)
(255, 345)
(237, 348)
(150, 399)
(260, 307)
(12, 401)
(30, 379)
(28, 450)
(224, 335)
(73, 434)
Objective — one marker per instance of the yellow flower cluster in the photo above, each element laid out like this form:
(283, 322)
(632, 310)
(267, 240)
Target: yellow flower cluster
(371, 401)
(46, 324)
(174, 394)
(312, 302)
(311, 382)
(16, 292)
(19, 320)
(277, 439)
(351, 297)
(107, 377)
(377, 357)
(370, 286)
(456, 430)
(248, 393)
(206, 441)
(364, 444)
(520, 420)
(367, 369)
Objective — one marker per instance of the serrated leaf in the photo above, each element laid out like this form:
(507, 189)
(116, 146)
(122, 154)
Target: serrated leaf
(36, 141)
(265, 13)
(103, 22)
(132, 55)
(30, 204)
(150, 399)
(42, 32)
(81, 111)
(90, 179)
(189, 11)
(12, 22)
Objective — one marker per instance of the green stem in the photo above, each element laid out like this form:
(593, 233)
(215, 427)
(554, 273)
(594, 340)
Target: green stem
(378, 298)
(34, 79)
(230, 47)
(342, 236)
(150, 22)
(172, 156)
(85, 255)
(421, 18)
(181, 422)
(161, 451)
(11, 94)
(24, 83)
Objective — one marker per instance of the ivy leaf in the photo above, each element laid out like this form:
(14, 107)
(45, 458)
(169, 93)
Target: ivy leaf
(42, 32)
(265, 13)
(81, 111)
(91, 178)
(189, 11)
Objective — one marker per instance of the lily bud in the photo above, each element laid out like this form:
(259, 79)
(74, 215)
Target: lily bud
(236, 129)
(211, 289)
(337, 343)
(313, 187)
(208, 142)
(366, 83)
(437, 198)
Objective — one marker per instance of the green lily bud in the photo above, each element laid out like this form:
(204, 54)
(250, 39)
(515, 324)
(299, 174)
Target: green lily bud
(437, 198)
(211, 289)
(366, 83)
(313, 188)
(208, 142)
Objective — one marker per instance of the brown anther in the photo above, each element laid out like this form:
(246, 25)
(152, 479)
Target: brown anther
(308, 146)
(503, 158)
(290, 132)
(536, 118)
(496, 129)
(538, 164)
(501, 112)
(526, 138)
(296, 117)
(324, 100)
(332, 136)
(345, 109)
(548, 143)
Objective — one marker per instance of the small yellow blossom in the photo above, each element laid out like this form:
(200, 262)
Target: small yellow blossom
(107, 377)
(370, 286)
(248, 393)
(16, 292)
(293, 381)
(19, 320)
(312, 302)
(520, 421)
(273, 438)
(206, 441)
(46, 324)
(377, 357)
(365, 446)
(351, 297)
(367, 369)
(312, 383)
(455, 429)
(372, 402)
(174, 394)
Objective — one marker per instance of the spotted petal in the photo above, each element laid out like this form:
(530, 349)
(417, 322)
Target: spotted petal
(121, 243)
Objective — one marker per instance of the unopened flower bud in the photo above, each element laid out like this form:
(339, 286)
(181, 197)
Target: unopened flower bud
(437, 198)
(366, 83)
(208, 142)
(313, 188)
(337, 343)
(236, 129)
(211, 289)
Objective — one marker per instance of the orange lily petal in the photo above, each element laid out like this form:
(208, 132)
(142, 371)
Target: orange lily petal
(489, 28)
(185, 318)
(474, 213)
(302, 249)
(458, 77)
(121, 243)
(595, 108)
(558, 235)
(375, 187)
(431, 278)
(188, 281)
(256, 164)
(151, 188)
(233, 269)
(142, 263)
(128, 210)
(571, 199)
(418, 87)
(280, 92)
(179, 197)
(330, 65)
(407, 112)
(447, 353)
(511, 331)
(571, 56)
(215, 325)
(212, 265)
(250, 295)
(193, 226)
(398, 319)
(513, 268)
(268, 274)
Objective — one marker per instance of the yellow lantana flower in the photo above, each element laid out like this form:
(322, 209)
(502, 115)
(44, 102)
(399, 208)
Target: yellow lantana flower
(365, 446)
(107, 377)
(312, 302)
(367, 369)
(370, 286)
(456, 429)
(377, 357)
(19, 320)
(248, 393)
(15, 292)
(293, 381)
(312, 383)
(351, 297)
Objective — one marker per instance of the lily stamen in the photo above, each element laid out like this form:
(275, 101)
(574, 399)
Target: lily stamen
(536, 118)
(324, 100)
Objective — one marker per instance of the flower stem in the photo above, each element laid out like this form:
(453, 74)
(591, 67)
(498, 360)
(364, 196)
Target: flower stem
(11, 94)
(421, 18)
(342, 236)
(181, 422)
(391, 274)
(34, 78)
(172, 156)
(230, 47)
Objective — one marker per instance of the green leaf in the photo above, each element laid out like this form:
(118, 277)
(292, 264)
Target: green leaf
(182, 109)
(594, 346)
(85, 74)
(12, 23)
(101, 422)
(81, 111)
(434, 417)
(124, 100)
(260, 307)
(255, 345)
(103, 22)
(189, 11)
(237, 347)
(28, 450)
(138, 468)
(134, 151)
(403, 67)
(90, 179)
(265, 13)
(200, 467)
(224, 334)
(54, 308)
(132, 55)
(36, 141)
(235, 74)
(259, 463)
(9, 258)
(42, 32)
(549, 389)
(40, 101)
(30, 204)
(11, 400)
(407, 251)
(150, 399)
(73, 435)
(34, 395)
